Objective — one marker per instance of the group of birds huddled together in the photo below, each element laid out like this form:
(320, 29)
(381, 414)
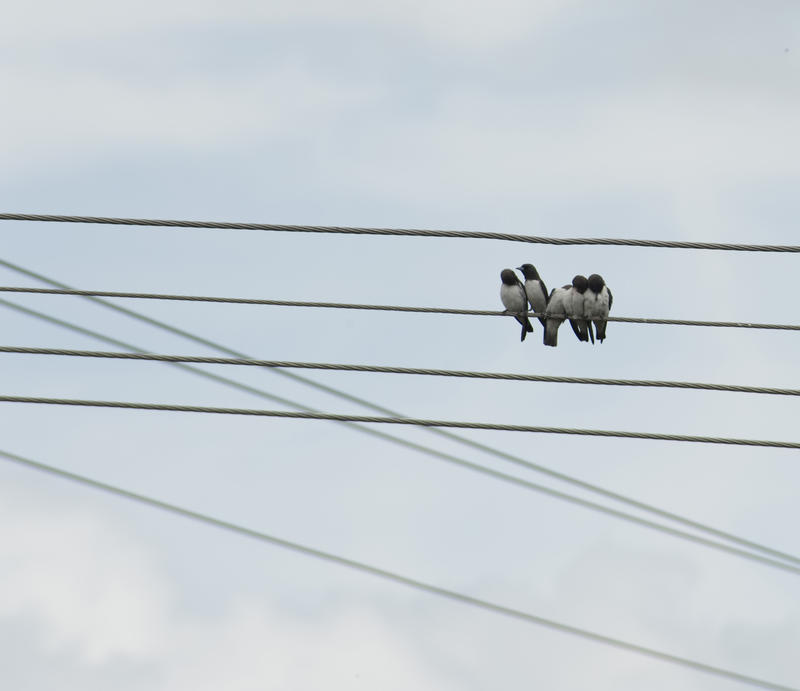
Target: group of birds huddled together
(584, 302)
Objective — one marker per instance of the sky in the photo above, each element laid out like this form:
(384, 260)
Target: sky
(564, 118)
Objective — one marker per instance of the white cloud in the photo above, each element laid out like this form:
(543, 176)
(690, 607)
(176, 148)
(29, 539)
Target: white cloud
(689, 144)
(680, 132)
(99, 114)
(443, 125)
(258, 646)
(467, 25)
(475, 24)
(91, 589)
(94, 596)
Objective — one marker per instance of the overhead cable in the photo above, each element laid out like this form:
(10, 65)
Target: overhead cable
(465, 441)
(378, 369)
(417, 422)
(483, 470)
(414, 232)
(397, 578)
(379, 308)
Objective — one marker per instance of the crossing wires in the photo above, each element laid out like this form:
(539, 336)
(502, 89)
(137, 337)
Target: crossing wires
(399, 579)
(450, 458)
(396, 418)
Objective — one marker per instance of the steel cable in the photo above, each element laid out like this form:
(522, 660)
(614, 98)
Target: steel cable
(379, 369)
(381, 308)
(397, 578)
(415, 232)
(419, 422)
(465, 441)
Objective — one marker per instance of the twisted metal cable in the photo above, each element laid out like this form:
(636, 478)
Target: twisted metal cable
(415, 232)
(496, 474)
(465, 441)
(380, 369)
(381, 308)
(391, 576)
(418, 422)
(505, 477)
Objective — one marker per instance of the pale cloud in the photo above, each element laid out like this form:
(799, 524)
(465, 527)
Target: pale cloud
(470, 25)
(477, 24)
(89, 588)
(259, 646)
(98, 114)
(95, 594)
(692, 144)
(529, 117)
(690, 133)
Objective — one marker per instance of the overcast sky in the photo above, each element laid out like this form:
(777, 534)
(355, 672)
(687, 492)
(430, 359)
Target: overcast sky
(637, 119)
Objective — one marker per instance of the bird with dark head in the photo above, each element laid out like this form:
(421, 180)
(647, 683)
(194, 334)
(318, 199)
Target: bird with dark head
(556, 313)
(512, 294)
(597, 305)
(575, 304)
(535, 289)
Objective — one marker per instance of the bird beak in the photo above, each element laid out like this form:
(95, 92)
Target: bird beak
(519, 268)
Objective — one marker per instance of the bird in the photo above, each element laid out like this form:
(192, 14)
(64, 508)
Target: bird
(556, 313)
(574, 304)
(535, 289)
(512, 293)
(597, 305)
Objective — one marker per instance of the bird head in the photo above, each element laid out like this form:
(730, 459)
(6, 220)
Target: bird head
(596, 283)
(529, 271)
(580, 283)
(508, 277)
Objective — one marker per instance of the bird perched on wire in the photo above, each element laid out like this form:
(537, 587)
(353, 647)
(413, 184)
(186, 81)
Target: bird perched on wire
(556, 313)
(512, 293)
(535, 289)
(597, 304)
(575, 305)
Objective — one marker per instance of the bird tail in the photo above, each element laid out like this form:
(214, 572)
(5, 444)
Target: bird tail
(600, 326)
(579, 327)
(526, 326)
(589, 329)
(551, 333)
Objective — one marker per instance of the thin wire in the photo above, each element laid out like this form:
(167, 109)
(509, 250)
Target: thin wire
(483, 470)
(464, 441)
(395, 577)
(379, 308)
(534, 239)
(377, 369)
(418, 422)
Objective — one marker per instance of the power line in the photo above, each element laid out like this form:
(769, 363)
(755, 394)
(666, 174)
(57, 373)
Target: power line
(418, 422)
(379, 308)
(395, 577)
(483, 470)
(378, 369)
(465, 441)
(414, 232)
